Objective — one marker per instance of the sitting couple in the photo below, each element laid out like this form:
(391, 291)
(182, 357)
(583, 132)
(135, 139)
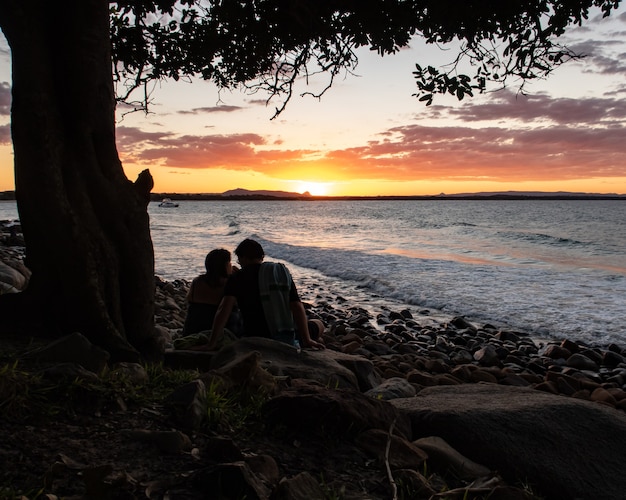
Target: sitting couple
(264, 293)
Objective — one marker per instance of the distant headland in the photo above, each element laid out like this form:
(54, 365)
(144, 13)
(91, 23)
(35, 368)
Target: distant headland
(253, 195)
(245, 194)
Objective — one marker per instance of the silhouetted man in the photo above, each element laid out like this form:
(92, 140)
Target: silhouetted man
(268, 300)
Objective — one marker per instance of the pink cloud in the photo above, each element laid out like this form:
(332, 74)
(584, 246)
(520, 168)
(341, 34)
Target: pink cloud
(498, 153)
(410, 153)
(506, 105)
(211, 109)
(130, 136)
(187, 151)
(603, 56)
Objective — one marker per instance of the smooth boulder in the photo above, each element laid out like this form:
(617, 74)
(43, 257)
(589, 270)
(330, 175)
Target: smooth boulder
(564, 447)
(326, 367)
(11, 280)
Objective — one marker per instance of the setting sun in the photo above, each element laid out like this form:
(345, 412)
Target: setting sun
(313, 188)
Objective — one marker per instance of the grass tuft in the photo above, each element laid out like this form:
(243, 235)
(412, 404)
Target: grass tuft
(231, 410)
(19, 391)
(25, 394)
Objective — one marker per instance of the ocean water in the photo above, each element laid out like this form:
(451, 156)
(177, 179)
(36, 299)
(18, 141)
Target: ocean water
(555, 269)
(552, 268)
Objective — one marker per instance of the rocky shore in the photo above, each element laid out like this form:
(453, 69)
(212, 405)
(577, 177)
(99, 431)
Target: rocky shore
(448, 353)
(401, 404)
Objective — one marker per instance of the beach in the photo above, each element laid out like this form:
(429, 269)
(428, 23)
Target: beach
(432, 350)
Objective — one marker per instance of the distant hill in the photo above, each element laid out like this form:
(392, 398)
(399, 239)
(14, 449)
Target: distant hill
(534, 194)
(245, 194)
(261, 192)
(7, 195)
(235, 194)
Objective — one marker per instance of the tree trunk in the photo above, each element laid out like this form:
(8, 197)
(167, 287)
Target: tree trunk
(85, 224)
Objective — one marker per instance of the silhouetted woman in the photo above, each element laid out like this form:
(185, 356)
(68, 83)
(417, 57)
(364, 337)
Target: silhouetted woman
(206, 292)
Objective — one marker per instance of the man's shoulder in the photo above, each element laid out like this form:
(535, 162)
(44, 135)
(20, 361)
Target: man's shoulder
(245, 272)
(244, 275)
(273, 264)
(275, 267)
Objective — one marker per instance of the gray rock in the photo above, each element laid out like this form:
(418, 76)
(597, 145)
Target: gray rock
(557, 352)
(166, 441)
(442, 457)
(594, 354)
(11, 280)
(487, 356)
(281, 359)
(402, 453)
(406, 314)
(421, 378)
(316, 410)
(244, 371)
(300, 487)
(612, 359)
(133, 372)
(581, 362)
(378, 348)
(392, 388)
(69, 370)
(523, 434)
(461, 356)
(571, 346)
(187, 360)
(265, 467)
(74, 348)
(188, 404)
(366, 375)
(231, 480)
(222, 449)
(514, 379)
(461, 322)
(504, 335)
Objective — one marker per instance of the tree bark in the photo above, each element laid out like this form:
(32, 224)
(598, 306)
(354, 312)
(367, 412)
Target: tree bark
(85, 224)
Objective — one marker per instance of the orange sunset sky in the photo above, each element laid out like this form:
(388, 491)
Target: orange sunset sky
(369, 136)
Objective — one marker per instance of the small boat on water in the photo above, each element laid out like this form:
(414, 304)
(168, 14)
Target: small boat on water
(167, 203)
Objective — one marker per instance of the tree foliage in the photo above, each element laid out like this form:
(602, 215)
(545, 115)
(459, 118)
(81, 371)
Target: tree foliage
(269, 44)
